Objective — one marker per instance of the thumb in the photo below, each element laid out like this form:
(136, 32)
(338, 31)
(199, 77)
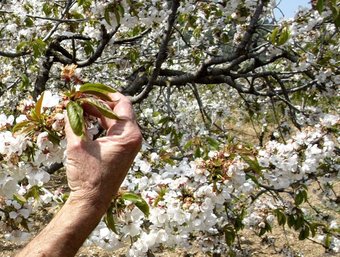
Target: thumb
(72, 139)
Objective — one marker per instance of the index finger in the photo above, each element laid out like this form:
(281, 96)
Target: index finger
(122, 106)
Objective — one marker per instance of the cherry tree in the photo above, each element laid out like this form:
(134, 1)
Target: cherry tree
(200, 75)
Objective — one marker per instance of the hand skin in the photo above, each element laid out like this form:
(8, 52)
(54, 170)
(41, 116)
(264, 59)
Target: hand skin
(95, 170)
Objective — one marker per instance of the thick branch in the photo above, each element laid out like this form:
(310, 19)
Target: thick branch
(61, 55)
(13, 55)
(161, 57)
(54, 167)
(43, 76)
(243, 46)
(234, 63)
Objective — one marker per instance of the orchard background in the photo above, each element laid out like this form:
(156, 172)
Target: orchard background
(238, 110)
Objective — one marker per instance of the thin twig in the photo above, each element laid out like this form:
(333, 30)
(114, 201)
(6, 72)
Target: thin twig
(132, 39)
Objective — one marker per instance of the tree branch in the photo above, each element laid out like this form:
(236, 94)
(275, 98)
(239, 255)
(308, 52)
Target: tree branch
(13, 55)
(60, 21)
(132, 39)
(56, 53)
(244, 45)
(161, 57)
(106, 37)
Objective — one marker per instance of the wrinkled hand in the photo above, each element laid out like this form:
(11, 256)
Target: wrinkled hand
(95, 169)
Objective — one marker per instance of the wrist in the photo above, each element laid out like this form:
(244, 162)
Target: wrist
(64, 235)
(92, 202)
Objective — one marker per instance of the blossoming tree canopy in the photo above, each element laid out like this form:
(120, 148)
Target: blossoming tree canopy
(238, 110)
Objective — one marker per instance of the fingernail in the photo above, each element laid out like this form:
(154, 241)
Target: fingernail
(115, 98)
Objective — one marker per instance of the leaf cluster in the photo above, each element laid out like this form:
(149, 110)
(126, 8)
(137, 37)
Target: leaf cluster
(119, 204)
(94, 95)
(90, 94)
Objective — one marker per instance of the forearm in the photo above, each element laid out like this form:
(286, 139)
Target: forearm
(95, 170)
(68, 230)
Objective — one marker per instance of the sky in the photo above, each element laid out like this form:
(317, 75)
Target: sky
(289, 7)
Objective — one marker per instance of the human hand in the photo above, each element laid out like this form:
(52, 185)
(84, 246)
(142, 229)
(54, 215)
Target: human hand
(95, 169)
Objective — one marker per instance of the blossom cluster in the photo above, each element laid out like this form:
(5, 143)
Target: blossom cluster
(192, 200)
(25, 158)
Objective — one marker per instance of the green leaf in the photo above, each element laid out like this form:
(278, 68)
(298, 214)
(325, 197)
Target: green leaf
(76, 15)
(53, 137)
(47, 9)
(336, 14)
(29, 22)
(313, 228)
(100, 90)
(88, 47)
(96, 87)
(291, 220)
(24, 82)
(24, 224)
(164, 120)
(188, 145)
(33, 116)
(101, 106)
(109, 220)
(117, 14)
(133, 55)
(38, 106)
(273, 35)
(22, 45)
(20, 199)
(38, 46)
(118, 11)
(300, 197)
(328, 240)
(304, 233)
(138, 201)
(320, 5)
(75, 117)
(213, 143)
(262, 231)
(29, 129)
(21, 125)
(107, 15)
(160, 197)
(198, 152)
(33, 192)
(266, 228)
(84, 3)
(299, 222)
(229, 235)
(102, 96)
(253, 164)
(252, 177)
(281, 217)
(284, 36)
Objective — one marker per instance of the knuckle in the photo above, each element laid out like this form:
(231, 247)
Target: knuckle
(138, 138)
(74, 147)
(135, 139)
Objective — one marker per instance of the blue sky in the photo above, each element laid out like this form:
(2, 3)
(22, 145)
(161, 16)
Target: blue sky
(289, 7)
